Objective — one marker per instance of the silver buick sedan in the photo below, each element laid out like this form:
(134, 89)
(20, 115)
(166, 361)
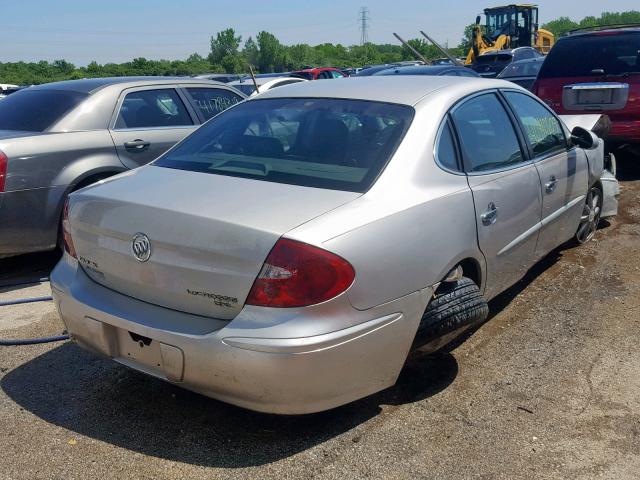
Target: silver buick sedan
(288, 255)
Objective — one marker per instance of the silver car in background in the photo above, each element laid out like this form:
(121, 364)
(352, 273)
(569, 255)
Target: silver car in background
(58, 137)
(288, 255)
(248, 87)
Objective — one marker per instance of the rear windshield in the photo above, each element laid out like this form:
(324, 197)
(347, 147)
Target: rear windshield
(326, 143)
(32, 110)
(521, 69)
(593, 55)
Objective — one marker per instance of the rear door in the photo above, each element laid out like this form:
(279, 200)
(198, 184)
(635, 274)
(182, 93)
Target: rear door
(563, 172)
(148, 122)
(505, 186)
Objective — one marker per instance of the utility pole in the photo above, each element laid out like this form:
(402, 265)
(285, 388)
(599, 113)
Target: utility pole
(363, 20)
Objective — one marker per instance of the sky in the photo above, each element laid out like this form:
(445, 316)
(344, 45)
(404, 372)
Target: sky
(80, 31)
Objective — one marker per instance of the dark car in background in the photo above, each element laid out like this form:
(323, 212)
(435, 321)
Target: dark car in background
(596, 71)
(58, 137)
(523, 72)
(490, 64)
(433, 70)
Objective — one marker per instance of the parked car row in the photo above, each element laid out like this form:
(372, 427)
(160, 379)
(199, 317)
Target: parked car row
(299, 241)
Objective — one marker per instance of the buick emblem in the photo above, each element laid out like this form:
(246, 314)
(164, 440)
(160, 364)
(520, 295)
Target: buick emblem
(141, 247)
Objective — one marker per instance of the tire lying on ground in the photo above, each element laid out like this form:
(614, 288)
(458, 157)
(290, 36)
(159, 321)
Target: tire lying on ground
(455, 307)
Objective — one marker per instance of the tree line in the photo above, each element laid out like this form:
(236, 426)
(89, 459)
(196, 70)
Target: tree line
(265, 53)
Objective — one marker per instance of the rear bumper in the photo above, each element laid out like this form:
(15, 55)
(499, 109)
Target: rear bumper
(29, 219)
(261, 360)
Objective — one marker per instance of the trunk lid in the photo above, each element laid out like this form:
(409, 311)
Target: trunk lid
(209, 234)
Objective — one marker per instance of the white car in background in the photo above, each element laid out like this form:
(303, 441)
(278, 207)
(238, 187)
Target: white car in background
(246, 85)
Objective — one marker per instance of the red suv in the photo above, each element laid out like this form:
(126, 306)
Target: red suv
(596, 72)
(319, 73)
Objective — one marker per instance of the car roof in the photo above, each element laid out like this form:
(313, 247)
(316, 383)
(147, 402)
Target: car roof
(529, 60)
(400, 89)
(91, 85)
(597, 31)
(262, 80)
(314, 69)
(420, 70)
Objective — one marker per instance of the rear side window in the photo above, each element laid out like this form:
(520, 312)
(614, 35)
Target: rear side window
(212, 101)
(521, 69)
(33, 110)
(593, 55)
(446, 149)
(542, 129)
(486, 134)
(153, 108)
(315, 142)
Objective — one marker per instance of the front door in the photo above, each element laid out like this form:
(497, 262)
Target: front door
(149, 122)
(505, 187)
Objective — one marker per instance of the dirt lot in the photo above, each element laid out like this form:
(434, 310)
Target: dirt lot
(548, 388)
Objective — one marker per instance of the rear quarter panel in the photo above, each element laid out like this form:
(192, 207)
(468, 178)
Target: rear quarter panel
(56, 159)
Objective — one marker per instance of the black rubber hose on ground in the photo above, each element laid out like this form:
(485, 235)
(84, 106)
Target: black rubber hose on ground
(30, 341)
(20, 301)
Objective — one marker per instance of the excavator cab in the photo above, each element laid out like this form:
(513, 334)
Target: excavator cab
(519, 22)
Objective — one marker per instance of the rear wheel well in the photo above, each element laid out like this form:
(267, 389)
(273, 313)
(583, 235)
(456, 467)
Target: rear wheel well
(471, 270)
(91, 179)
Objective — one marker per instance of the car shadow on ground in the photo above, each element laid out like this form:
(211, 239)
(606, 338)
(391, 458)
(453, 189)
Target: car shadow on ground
(18, 272)
(102, 400)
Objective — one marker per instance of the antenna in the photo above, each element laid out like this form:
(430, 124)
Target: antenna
(363, 20)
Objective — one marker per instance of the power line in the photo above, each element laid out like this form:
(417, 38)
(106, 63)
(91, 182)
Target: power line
(363, 20)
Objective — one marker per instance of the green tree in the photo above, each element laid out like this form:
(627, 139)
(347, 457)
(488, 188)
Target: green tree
(225, 43)
(269, 52)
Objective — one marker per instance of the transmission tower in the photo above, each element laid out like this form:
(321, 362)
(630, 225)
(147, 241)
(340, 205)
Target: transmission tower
(363, 21)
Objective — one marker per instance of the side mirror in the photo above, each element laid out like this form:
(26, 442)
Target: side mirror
(583, 138)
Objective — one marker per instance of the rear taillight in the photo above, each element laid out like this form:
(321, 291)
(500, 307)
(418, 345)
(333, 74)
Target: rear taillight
(66, 233)
(3, 170)
(296, 274)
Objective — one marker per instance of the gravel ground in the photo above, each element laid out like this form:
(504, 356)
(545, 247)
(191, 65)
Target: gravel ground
(549, 387)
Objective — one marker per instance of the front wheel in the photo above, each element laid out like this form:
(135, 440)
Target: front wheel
(590, 218)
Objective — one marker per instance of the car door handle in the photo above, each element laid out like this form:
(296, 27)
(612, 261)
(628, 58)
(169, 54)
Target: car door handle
(137, 145)
(550, 186)
(490, 216)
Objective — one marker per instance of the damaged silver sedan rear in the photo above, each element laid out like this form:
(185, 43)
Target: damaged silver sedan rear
(288, 255)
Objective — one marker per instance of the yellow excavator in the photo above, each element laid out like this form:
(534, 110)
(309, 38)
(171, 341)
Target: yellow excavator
(510, 26)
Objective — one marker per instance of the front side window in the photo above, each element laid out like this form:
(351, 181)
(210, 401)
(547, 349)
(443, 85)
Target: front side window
(212, 101)
(488, 139)
(153, 108)
(542, 129)
(315, 142)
